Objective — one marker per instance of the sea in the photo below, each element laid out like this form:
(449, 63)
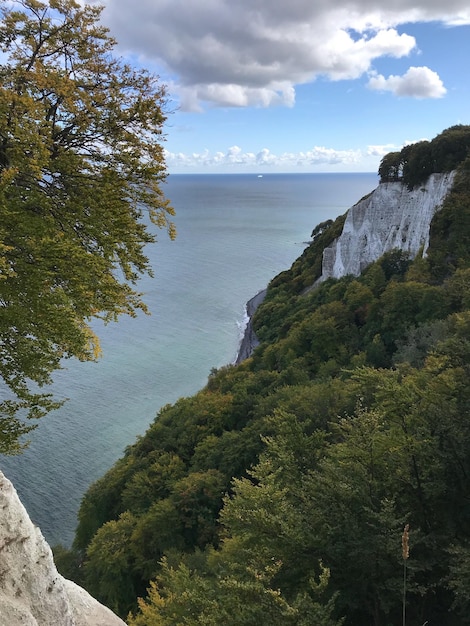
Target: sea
(235, 232)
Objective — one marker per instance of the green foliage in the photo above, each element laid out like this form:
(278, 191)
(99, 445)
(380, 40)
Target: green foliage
(419, 163)
(394, 264)
(109, 566)
(391, 167)
(239, 597)
(81, 162)
(450, 229)
(459, 580)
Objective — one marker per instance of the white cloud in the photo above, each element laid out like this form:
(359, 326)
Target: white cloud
(254, 52)
(418, 82)
(380, 151)
(235, 159)
(240, 95)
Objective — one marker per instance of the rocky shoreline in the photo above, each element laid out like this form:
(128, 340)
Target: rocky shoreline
(250, 340)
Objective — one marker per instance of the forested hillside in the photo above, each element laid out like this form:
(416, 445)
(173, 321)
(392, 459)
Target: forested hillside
(323, 481)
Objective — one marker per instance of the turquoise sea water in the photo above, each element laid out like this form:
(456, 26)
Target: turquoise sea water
(235, 233)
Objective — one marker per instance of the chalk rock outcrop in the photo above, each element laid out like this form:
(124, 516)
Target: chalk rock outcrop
(250, 340)
(32, 592)
(390, 217)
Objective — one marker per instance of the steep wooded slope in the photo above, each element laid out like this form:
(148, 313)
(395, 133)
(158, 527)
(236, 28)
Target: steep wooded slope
(353, 415)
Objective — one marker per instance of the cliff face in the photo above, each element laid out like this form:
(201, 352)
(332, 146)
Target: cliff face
(390, 217)
(32, 592)
(250, 340)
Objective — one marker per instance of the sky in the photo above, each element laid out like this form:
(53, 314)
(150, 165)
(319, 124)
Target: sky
(265, 86)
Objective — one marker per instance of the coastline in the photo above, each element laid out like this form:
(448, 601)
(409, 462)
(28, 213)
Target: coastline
(250, 340)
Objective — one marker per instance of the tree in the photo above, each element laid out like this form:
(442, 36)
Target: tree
(81, 166)
(451, 147)
(419, 164)
(390, 168)
(111, 556)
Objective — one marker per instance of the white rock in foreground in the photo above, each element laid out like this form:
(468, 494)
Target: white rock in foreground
(32, 592)
(390, 217)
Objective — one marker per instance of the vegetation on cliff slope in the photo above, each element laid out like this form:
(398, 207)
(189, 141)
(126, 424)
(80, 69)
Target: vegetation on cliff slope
(279, 493)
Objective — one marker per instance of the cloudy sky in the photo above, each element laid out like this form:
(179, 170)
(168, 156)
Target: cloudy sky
(299, 85)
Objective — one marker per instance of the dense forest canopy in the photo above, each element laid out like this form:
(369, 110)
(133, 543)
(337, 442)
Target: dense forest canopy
(81, 162)
(280, 493)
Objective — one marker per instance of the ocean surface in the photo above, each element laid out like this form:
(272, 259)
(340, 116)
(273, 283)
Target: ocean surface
(235, 233)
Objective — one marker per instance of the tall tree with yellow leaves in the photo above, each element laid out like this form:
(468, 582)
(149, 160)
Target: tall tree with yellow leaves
(81, 165)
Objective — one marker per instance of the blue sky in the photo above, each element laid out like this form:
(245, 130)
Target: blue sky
(300, 85)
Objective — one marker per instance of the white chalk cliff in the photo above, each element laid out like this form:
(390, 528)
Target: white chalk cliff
(390, 217)
(32, 592)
